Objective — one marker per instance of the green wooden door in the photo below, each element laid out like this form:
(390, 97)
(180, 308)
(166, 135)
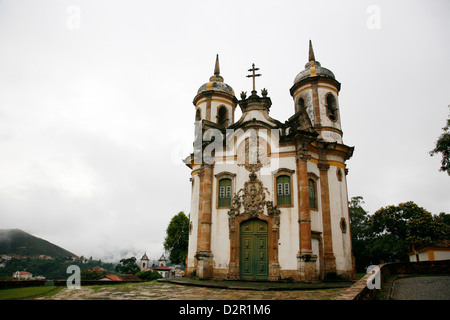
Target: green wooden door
(254, 262)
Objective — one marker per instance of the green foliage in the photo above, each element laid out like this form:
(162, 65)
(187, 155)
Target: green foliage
(443, 146)
(55, 269)
(93, 274)
(148, 275)
(50, 269)
(358, 219)
(409, 223)
(391, 232)
(127, 266)
(360, 233)
(177, 238)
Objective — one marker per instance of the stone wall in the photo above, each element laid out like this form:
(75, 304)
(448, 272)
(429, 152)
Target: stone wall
(360, 291)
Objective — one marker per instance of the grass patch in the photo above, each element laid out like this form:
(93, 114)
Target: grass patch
(359, 276)
(28, 293)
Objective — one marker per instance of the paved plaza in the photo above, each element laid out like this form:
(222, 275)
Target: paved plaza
(421, 288)
(171, 291)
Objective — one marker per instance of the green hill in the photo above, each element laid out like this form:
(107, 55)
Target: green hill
(18, 242)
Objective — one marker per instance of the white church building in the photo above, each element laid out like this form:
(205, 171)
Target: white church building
(269, 198)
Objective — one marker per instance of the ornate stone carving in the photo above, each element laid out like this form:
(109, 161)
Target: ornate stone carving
(273, 212)
(323, 166)
(302, 153)
(234, 211)
(303, 156)
(252, 197)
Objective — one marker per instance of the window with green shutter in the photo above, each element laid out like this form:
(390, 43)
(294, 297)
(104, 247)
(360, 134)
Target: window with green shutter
(283, 190)
(224, 192)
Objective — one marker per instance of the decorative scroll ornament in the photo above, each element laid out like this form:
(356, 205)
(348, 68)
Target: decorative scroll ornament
(253, 198)
(255, 154)
(274, 213)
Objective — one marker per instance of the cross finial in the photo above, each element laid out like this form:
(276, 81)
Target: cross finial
(253, 75)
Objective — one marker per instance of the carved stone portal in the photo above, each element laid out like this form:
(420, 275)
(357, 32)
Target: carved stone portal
(252, 199)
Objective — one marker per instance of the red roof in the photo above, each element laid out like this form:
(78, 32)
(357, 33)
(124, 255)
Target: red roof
(122, 277)
(162, 268)
(128, 277)
(113, 277)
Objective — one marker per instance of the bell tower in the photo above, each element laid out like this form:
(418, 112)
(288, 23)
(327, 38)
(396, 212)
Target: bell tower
(316, 91)
(215, 102)
(144, 263)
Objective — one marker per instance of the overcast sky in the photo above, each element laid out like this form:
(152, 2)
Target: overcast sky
(96, 108)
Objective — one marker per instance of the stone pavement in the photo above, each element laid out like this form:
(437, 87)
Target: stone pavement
(171, 291)
(421, 288)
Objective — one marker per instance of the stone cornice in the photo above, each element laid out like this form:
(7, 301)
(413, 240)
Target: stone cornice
(315, 80)
(210, 93)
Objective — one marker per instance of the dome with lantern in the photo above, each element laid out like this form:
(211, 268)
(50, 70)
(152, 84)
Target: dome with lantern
(216, 82)
(312, 66)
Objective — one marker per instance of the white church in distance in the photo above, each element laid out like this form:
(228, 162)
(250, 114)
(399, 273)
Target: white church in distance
(269, 199)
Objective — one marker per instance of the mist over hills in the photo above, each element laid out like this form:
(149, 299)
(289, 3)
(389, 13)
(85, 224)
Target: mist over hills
(18, 242)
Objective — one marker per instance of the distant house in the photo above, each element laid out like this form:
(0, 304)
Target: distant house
(162, 268)
(110, 277)
(439, 251)
(120, 277)
(178, 272)
(43, 256)
(164, 271)
(22, 275)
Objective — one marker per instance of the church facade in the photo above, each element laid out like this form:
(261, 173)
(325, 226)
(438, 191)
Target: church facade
(269, 199)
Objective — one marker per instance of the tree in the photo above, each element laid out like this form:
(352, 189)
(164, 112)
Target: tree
(360, 233)
(93, 274)
(393, 231)
(177, 238)
(127, 266)
(148, 275)
(443, 146)
(444, 218)
(409, 226)
(358, 219)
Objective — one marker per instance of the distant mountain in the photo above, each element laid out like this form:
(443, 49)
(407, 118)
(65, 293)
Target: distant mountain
(18, 242)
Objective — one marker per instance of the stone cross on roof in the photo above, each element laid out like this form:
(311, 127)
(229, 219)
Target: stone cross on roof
(253, 75)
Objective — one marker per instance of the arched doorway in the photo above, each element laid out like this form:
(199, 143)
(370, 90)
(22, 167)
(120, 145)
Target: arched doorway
(254, 258)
